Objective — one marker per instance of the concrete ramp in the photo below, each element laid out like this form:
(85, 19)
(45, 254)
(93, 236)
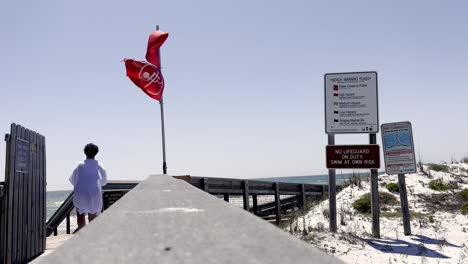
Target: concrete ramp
(165, 220)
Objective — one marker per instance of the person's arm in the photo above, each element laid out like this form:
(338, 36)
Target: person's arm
(74, 176)
(103, 173)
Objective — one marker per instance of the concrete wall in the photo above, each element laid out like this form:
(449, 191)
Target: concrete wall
(165, 220)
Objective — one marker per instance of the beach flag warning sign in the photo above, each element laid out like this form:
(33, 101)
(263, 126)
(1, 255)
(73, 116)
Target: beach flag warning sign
(354, 96)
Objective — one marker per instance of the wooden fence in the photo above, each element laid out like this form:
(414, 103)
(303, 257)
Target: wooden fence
(23, 204)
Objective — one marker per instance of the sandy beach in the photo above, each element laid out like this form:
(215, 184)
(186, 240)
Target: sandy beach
(439, 230)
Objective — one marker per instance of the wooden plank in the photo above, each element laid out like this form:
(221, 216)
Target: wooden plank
(34, 201)
(27, 202)
(26, 209)
(20, 222)
(42, 183)
(245, 194)
(4, 201)
(9, 181)
(29, 199)
(13, 215)
(277, 203)
(2, 224)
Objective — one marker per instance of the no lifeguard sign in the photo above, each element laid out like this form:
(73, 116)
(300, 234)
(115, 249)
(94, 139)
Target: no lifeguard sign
(353, 157)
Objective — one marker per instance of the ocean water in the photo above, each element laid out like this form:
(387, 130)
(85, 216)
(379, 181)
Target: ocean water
(54, 200)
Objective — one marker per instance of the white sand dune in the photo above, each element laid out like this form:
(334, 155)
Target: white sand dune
(442, 238)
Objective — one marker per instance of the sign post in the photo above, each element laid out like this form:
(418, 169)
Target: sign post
(399, 158)
(332, 190)
(351, 107)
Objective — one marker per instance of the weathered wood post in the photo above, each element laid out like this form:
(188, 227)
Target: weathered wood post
(277, 203)
(375, 210)
(303, 196)
(245, 193)
(332, 190)
(255, 204)
(204, 184)
(404, 204)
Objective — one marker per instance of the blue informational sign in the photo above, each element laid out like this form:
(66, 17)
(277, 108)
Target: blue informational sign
(398, 148)
(22, 156)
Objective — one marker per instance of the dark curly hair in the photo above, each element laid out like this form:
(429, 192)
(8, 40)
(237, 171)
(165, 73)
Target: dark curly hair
(91, 150)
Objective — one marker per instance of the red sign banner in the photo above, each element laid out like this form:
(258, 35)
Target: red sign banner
(353, 157)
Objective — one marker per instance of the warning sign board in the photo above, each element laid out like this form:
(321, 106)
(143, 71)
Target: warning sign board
(353, 157)
(398, 148)
(351, 104)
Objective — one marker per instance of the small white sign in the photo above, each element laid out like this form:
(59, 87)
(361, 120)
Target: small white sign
(351, 104)
(398, 148)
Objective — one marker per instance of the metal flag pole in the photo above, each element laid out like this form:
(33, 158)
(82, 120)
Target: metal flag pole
(161, 105)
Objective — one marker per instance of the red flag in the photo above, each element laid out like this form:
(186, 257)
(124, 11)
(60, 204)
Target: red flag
(156, 39)
(146, 76)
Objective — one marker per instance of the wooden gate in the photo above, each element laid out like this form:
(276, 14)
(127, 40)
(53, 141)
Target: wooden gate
(23, 204)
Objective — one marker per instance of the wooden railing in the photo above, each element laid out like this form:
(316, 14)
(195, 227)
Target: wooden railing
(66, 208)
(252, 188)
(297, 195)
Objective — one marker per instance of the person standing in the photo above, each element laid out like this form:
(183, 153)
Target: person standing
(87, 180)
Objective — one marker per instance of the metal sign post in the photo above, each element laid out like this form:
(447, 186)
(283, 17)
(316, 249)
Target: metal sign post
(163, 134)
(351, 107)
(398, 145)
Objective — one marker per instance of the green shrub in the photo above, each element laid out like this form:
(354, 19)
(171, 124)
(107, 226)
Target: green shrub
(440, 185)
(392, 187)
(464, 194)
(438, 167)
(464, 208)
(363, 204)
(387, 199)
(431, 219)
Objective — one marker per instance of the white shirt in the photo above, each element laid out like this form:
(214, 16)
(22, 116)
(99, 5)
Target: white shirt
(87, 179)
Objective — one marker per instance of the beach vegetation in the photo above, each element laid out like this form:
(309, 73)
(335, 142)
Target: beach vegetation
(464, 208)
(464, 194)
(392, 187)
(438, 167)
(399, 214)
(363, 204)
(421, 166)
(355, 180)
(441, 185)
(326, 212)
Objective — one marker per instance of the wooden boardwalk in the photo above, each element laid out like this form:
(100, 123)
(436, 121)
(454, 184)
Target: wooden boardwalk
(164, 220)
(52, 243)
